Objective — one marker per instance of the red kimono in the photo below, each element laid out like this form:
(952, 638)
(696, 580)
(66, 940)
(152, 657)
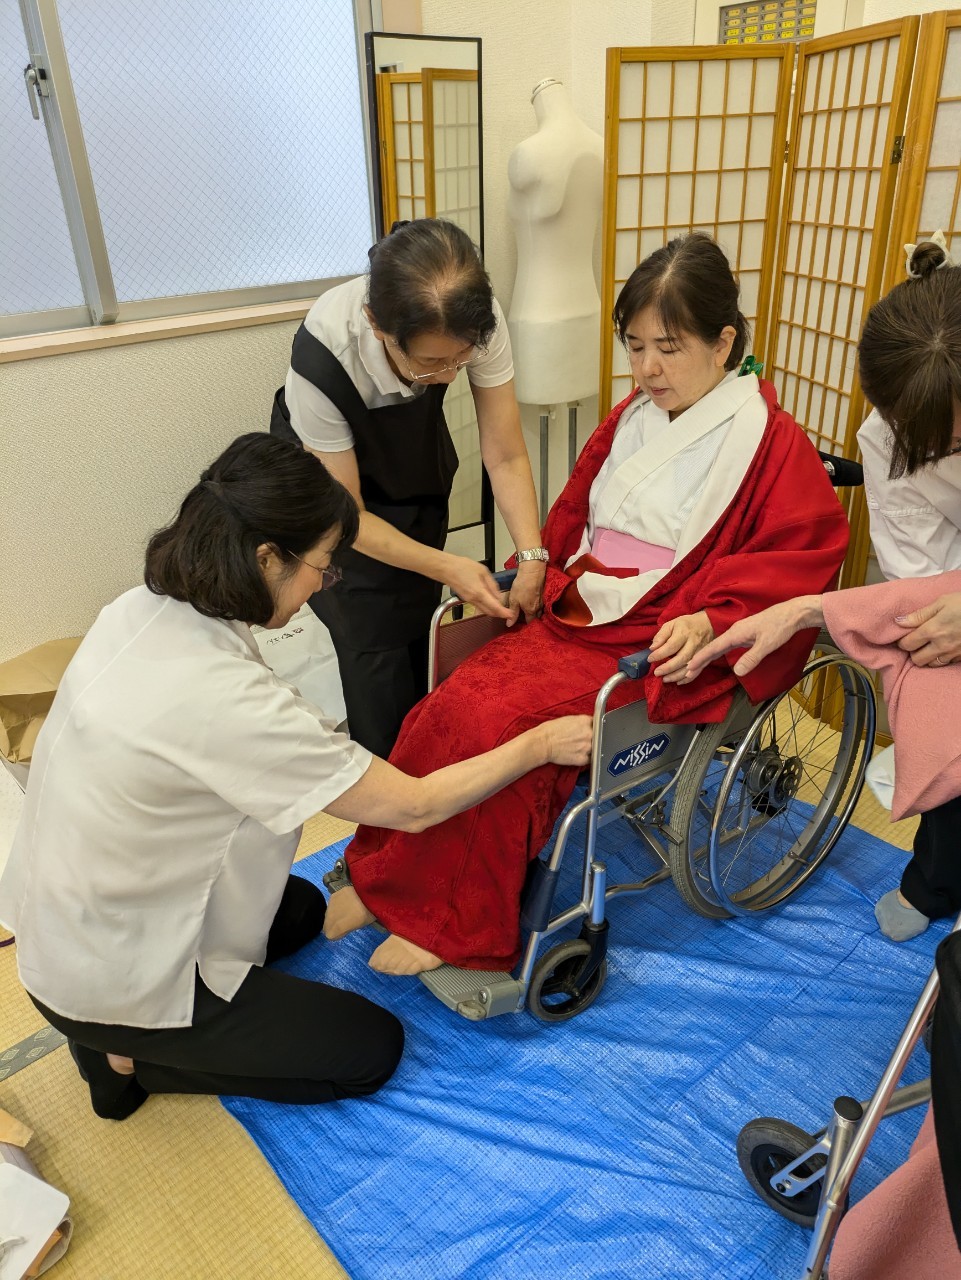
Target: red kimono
(455, 888)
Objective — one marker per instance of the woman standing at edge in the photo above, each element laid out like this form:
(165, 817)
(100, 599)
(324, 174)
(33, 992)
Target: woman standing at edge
(909, 360)
(369, 369)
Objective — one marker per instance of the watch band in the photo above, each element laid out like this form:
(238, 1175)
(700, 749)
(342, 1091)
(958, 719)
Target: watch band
(533, 553)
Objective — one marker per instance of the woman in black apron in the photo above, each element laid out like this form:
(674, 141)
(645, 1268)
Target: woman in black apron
(369, 369)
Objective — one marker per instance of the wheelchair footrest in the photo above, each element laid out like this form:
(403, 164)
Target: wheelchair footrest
(338, 877)
(474, 993)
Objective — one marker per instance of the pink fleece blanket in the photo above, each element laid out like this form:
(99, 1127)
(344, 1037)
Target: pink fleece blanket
(902, 1230)
(924, 703)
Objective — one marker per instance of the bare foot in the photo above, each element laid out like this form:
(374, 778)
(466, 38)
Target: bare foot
(122, 1066)
(345, 913)
(398, 956)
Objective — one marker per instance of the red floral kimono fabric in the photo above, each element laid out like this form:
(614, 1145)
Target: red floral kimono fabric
(455, 888)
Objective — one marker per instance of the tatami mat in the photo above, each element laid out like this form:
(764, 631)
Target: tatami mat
(179, 1190)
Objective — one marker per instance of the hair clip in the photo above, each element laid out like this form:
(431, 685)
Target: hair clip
(937, 239)
(750, 365)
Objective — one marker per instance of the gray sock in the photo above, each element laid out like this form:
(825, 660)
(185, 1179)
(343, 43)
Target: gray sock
(899, 923)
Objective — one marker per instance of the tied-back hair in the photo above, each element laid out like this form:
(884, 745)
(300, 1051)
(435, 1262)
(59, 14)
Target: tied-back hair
(260, 490)
(692, 289)
(909, 359)
(426, 276)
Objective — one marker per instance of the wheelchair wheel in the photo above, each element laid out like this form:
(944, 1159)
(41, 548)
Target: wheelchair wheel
(765, 1146)
(759, 814)
(558, 988)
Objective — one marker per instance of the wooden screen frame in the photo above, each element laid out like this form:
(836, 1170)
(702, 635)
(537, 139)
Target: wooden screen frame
(384, 83)
(906, 31)
(616, 58)
(918, 137)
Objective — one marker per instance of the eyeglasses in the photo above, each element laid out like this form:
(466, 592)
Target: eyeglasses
(421, 377)
(329, 577)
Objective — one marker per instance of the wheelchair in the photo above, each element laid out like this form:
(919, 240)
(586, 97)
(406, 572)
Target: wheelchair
(806, 1177)
(738, 814)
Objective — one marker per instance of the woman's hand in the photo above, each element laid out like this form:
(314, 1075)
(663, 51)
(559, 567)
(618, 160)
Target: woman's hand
(567, 740)
(676, 643)
(760, 635)
(527, 589)
(474, 584)
(934, 637)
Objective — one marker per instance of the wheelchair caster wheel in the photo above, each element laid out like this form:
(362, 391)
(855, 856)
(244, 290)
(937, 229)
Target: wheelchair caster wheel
(763, 1147)
(564, 983)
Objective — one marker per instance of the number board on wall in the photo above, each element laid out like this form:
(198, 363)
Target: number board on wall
(765, 21)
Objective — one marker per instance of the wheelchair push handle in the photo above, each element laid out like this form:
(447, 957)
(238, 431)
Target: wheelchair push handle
(843, 472)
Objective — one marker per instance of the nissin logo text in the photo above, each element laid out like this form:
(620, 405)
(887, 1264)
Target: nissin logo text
(639, 754)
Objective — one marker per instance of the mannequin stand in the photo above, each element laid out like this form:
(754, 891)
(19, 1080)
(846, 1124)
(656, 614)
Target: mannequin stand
(545, 445)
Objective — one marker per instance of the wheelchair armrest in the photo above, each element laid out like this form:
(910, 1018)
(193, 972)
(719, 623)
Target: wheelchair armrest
(635, 665)
(505, 579)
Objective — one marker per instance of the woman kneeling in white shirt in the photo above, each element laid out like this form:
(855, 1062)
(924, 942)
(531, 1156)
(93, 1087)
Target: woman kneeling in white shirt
(149, 880)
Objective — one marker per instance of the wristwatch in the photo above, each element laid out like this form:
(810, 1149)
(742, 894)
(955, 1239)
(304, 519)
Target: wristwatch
(533, 553)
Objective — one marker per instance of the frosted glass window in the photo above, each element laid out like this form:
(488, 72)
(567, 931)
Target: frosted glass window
(38, 271)
(226, 140)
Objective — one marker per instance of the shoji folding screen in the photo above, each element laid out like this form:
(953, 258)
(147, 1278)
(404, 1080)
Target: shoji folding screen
(870, 159)
(451, 140)
(695, 140)
(428, 122)
(400, 109)
(850, 104)
(929, 193)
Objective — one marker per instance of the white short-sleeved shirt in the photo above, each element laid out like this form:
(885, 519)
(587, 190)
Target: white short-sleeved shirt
(915, 520)
(162, 814)
(337, 320)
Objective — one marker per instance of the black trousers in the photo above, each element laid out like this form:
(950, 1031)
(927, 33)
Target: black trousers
(379, 689)
(932, 879)
(281, 1038)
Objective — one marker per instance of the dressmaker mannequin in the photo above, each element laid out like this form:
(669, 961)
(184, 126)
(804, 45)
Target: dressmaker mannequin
(555, 205)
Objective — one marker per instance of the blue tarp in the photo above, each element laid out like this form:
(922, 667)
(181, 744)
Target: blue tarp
(605, 1146)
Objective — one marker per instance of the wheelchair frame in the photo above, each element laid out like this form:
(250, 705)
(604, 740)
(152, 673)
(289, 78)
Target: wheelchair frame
(831, 1157)
(628, 753)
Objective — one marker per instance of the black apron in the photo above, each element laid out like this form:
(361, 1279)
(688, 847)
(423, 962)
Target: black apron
(407, 463)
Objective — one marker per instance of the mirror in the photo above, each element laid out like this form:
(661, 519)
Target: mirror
(425, 112)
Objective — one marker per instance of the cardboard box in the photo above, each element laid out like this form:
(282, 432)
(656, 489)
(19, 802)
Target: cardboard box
(27, 686)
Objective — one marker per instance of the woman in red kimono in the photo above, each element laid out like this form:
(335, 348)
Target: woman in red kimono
(697, 502)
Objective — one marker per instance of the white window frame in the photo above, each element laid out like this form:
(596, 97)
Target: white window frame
(52, 94)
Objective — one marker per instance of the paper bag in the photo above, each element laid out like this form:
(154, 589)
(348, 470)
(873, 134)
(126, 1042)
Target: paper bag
(34, 1225)
(27, 686)
(302, 653)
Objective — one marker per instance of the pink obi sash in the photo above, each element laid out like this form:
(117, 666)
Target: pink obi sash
(621, 551)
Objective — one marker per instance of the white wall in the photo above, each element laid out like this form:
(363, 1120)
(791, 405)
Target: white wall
(883, 10)
(414, 55)
(98, 449)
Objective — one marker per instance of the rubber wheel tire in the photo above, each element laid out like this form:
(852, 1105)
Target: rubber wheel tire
(692, 889)
(766, 1145)
(556, 974)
